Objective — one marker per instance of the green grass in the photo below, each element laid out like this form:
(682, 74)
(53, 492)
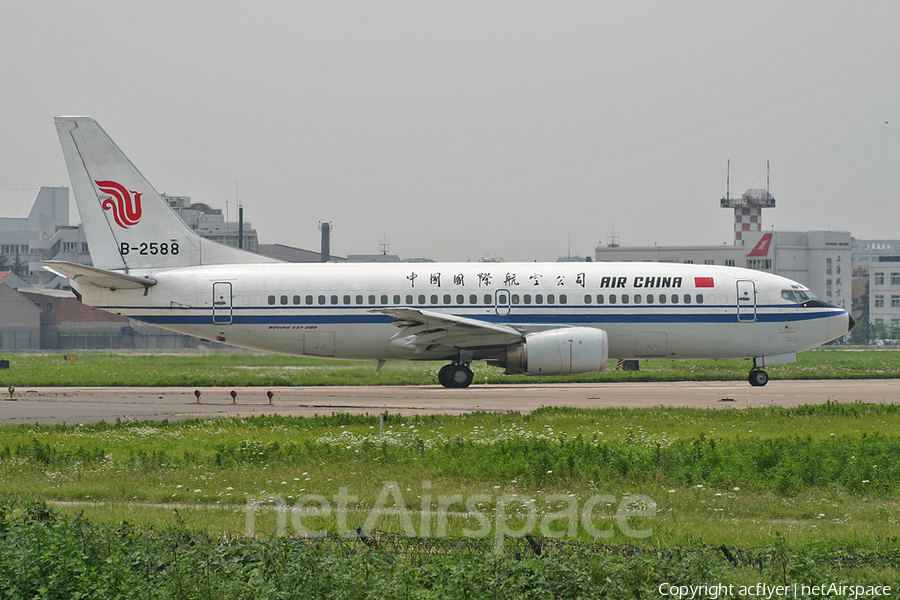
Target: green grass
(792, 483)
(246, 369)
(735, 476)
(789, 484)
(44, 554)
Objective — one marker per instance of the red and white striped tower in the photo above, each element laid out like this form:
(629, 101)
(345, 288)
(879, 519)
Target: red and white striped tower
(748, 209)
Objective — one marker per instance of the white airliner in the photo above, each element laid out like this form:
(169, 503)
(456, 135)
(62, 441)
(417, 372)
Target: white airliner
(532, 318)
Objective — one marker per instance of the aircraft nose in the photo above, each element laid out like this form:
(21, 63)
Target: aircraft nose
(852, 323)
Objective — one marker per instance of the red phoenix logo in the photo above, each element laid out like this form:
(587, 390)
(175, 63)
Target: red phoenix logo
(125, 205)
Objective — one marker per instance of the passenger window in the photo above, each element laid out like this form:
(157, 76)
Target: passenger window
(587, 298)
(460, 299)
(271, 300)
(649, 298)
(637, 298)
(551, 299)
(538, 298)
(409, 299)
(296, 299)
(421, 298)
(384, 299)
(514, 298)
(674, 298)
(687, 298)
(563, 299)
(284, 300)
(446, 298)
(397, 299)
(526, 299)
(600, 298)
(473, 299)
(321, 300)
(502, 299)
(699, 298)
(359, 299)
(334, 299)
(624, 298)
(662, 298)
(434, 299)
(309, 300)
(346, 298)
(488, 299)
(612, 298)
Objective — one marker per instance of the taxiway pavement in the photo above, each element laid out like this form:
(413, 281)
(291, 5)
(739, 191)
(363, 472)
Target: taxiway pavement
(92, 404)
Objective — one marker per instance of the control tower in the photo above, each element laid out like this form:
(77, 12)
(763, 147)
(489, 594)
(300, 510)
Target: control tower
(747, 208)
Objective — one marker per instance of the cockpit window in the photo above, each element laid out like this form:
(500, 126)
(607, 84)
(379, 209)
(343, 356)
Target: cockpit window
(788, 295)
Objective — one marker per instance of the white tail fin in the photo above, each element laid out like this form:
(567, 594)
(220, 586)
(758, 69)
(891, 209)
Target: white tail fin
(127, 223)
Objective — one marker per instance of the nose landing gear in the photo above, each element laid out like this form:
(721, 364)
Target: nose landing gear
(455, 375)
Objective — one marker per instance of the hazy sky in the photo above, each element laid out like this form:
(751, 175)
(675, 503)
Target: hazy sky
(458, 130)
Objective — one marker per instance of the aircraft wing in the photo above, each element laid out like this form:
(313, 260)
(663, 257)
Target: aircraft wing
(427, 328)
(99, 277)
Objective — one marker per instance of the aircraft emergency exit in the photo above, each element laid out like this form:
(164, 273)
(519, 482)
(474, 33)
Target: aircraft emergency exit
(532, 318)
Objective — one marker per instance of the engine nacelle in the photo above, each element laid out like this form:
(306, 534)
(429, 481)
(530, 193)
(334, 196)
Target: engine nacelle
(564, 351)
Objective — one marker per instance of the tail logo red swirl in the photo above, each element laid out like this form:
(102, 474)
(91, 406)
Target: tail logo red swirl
(125, 205)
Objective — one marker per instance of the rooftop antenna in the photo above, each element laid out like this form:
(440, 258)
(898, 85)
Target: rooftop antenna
(767, 180)
(613, 238)
(385, 245)
(240, 217)
(728, 181)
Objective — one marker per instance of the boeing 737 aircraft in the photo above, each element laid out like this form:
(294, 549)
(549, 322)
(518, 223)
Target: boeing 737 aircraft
(532, 318)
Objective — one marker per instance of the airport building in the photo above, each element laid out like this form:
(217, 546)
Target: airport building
(34, 227)
(820, 260)
(210, 223)
(884, 297)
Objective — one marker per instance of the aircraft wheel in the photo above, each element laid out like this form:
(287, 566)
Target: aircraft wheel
(758, 378)
(460, 376)
(444, 375)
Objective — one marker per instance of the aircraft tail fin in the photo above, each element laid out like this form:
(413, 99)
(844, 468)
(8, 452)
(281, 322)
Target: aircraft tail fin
(128, 224)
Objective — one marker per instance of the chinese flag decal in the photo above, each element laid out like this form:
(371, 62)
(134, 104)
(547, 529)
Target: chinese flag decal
(705, 282)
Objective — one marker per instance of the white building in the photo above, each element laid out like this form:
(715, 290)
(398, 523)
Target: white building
(820, 260)
(210, 223)
(34, 227)
(884, 298)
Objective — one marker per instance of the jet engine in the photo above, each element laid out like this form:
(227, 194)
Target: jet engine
(564, 351)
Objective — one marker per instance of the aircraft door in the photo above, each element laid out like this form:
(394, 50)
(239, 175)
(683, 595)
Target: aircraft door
(222, 304)
(746, 301)
(502, 302)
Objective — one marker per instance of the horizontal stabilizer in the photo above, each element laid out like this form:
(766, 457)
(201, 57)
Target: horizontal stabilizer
(83, 274)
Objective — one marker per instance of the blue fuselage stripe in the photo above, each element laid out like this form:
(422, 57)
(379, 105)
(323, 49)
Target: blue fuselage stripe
(239, 317)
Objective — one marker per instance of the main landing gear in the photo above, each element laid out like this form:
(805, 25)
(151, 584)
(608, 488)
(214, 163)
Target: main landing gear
(455, 375)
(758, 378)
